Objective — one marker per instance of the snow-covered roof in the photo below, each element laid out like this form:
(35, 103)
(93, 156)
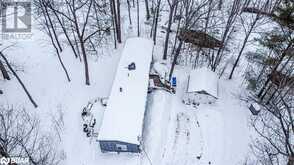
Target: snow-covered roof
(160, 69)
(124, 115)
(203, 80)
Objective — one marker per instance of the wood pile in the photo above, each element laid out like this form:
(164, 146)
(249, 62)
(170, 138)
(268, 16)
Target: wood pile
(200, 39)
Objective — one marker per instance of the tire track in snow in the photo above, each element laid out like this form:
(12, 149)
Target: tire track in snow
(202, 143)
(181, 152)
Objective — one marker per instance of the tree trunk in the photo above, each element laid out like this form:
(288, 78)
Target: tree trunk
(178, 30)
(244, 45)
(274, 69)
(152, 27)
(129, 11)
(147, 10)
(113, 23)
(220, 4)
(175, 13)
(72, 28)
(59, 58)
(156, 22)
(47, 18)
(83, 49)
(65, 33)
(118, 34)
(85, 63)
(4, 71)
(52, 27)
(208, 15)
(291, 160)
(170, 21)
(178, 51)
(19, 80)
(138, 18)
(239, 56)
(229, 28)
(118, 22)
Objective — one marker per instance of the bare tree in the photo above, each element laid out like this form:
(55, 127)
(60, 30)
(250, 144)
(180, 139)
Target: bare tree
(153, 33)
(275, 127)
(20, 137)
(83, 23)
(62, 25)
(191, 13)
(80, 31)
(250, 26)
(19, 80)
(52, 34)
(234, 11)
(172, 5)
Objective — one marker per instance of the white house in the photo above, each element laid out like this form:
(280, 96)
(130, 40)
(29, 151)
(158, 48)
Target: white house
(202, 87)
(122, 125)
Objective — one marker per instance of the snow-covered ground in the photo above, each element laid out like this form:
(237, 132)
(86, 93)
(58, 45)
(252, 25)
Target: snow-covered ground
(174, 133)
(215, 134)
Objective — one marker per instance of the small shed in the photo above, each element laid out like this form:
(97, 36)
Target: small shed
(122, 125)
(202, 87)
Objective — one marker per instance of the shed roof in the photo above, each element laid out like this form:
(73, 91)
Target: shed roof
(203, 80)
(124, 115)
